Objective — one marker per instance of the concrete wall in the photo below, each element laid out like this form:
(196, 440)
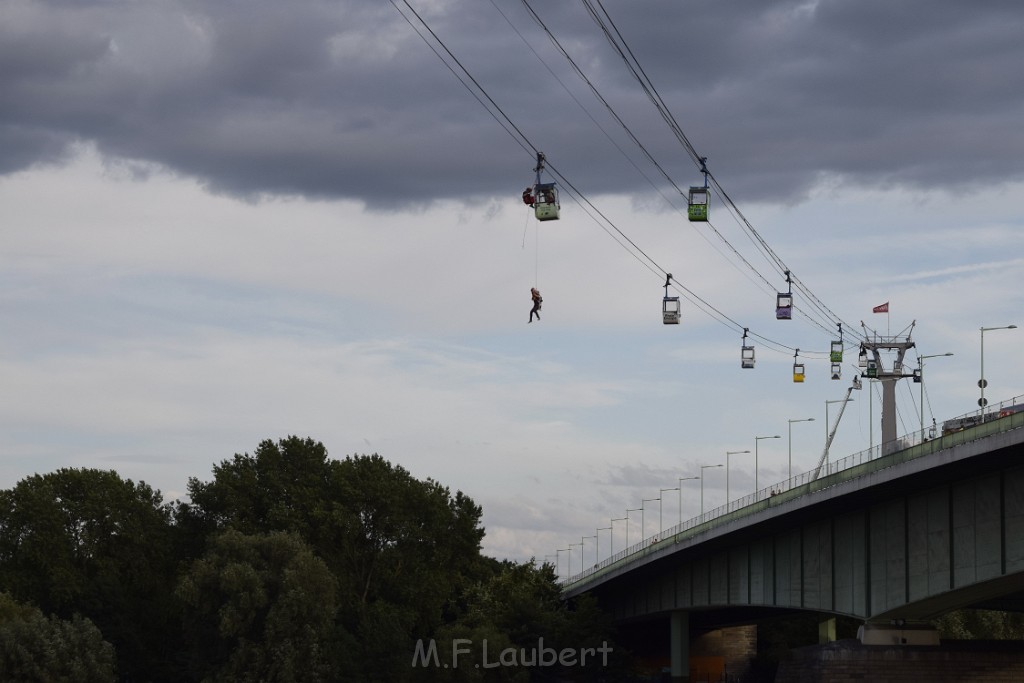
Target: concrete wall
(872, 560)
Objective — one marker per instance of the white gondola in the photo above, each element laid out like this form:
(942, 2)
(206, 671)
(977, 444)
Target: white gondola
(670, 310)
(746, 353)
(837, 371)
(545, 206)
(543, 197)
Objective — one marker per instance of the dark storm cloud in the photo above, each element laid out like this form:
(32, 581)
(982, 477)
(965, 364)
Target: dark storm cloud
(343, 99)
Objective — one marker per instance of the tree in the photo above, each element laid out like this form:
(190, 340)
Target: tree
(260, 608)
(36, 648)
(402, 550)
(526, 624)
(981, 624)
(86, 541)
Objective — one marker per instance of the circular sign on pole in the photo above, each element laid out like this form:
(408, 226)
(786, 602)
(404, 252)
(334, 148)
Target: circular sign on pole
(982, 383)
(982, 402)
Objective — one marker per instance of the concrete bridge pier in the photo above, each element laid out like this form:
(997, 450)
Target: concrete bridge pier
(680, 646)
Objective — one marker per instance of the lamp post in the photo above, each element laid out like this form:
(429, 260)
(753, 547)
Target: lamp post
(757, 440)
(597, 543)
(702, 468)
(981, 382)
(611, 540)
(558, 559)
(806, 419)
(581, 549)
(920, 361)
(661, 492)
(681, 480)
(727, 454)
(838, 400)
(571, 546)
(628, 510)
(643, 529)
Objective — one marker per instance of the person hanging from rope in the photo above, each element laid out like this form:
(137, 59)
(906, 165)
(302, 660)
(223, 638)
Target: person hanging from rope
(537, 301)
(528, 196)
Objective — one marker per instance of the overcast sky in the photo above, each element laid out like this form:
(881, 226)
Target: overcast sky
(227, 222)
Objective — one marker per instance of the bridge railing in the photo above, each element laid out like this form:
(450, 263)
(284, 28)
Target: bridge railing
(1003, 417)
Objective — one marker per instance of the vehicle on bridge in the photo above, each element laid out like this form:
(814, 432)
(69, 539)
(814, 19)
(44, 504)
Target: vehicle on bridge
(959, 424)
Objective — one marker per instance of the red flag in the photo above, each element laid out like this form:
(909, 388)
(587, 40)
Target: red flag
(884, 308)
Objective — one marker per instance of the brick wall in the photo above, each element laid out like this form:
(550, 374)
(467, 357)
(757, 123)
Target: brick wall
(737, 644)
(953, 662)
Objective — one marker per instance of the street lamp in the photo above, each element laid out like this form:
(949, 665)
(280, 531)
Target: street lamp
(558, 559)
(612, 534)
(702, 468)
(806, 419)
(628, 510)
(981, 382)
(727, 454)
(681, 480)
(597, 542)
(920, 362)
(643, 529)
(581, 549)
(838, 400)
(757, 440)
(571, 546)
(661, 526)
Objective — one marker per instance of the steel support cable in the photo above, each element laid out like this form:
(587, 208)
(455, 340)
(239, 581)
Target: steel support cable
(826, 313)
(587, 112)
(529, 147)
(579, 71)
(660, 105)
(651, 264)
(656, 99)
(524, 142)
(620, 45)
(522, 139)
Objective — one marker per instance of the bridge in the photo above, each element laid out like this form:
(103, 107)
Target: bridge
(893, 536)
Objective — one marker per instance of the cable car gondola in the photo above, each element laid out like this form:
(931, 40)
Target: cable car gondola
(698, 199)
(670, 312)
(784, 302)
(543, 197)
(746, 353)
(836, 355)
(798, 368)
